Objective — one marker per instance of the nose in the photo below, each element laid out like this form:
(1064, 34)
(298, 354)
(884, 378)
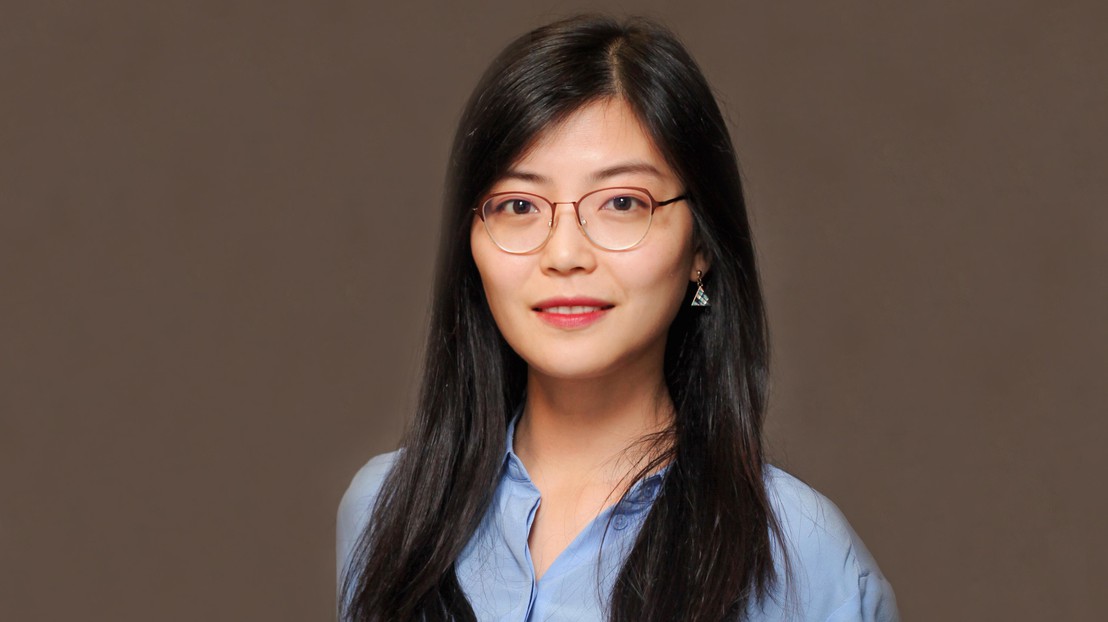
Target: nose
(567, 250)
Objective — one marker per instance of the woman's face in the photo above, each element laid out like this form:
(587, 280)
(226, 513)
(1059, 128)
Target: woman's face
(571, 309)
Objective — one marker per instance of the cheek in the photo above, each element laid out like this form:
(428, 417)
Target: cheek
(666, 290)
(500, 275)
(662, 277)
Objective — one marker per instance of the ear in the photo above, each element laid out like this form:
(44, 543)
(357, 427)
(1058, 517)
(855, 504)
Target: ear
(702, 263)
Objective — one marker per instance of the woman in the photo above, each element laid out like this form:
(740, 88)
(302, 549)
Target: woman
(588, 440)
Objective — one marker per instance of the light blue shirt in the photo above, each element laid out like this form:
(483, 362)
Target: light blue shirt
(834, 578)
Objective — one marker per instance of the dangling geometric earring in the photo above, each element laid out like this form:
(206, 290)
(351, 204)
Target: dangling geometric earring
(700, 299)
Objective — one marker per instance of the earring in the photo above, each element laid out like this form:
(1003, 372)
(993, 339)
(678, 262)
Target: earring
(700, 299)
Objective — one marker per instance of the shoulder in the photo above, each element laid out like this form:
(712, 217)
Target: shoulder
(357, 504)
(828, 573)
(366, 483)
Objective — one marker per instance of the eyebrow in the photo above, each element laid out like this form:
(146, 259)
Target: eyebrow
(627, 167)
(602, 174)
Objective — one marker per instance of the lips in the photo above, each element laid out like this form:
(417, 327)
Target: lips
(574, 312)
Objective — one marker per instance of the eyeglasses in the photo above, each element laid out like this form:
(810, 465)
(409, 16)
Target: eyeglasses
(613, 219)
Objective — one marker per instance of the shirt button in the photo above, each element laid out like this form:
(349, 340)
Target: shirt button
(620, 522)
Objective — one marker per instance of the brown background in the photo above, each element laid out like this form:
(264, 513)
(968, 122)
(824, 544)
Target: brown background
(218, 222)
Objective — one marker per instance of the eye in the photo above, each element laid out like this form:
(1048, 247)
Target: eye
(624, 203)
(515, 206)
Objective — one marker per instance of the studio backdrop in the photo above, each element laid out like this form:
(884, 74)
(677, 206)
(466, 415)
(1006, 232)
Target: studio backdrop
(218, 222)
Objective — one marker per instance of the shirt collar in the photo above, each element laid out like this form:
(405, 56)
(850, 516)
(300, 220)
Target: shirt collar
(512, 463)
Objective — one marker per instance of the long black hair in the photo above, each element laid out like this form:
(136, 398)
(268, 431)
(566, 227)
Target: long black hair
(704, 551)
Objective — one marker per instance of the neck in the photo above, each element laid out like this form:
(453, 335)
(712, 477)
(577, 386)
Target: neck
(591, 430)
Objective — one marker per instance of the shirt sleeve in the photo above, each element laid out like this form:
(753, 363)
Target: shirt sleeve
(832, 577)
(356, 508)
(873, 602)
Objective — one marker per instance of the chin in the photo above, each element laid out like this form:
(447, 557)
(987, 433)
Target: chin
(580, 370)
(572, 364)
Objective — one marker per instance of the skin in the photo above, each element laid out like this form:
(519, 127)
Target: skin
(592, 391)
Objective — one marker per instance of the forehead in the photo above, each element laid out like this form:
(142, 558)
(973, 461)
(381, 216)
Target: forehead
(591, 138)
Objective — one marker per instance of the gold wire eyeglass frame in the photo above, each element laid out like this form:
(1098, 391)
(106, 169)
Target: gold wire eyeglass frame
(479, 210)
